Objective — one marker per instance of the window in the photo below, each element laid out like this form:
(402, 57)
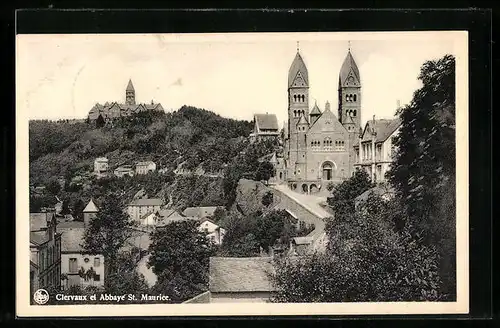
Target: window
(327, 144)
(354, 98)
(73, 265)
(97, 262)
(339, 145)
(354, 111)
(97, 277)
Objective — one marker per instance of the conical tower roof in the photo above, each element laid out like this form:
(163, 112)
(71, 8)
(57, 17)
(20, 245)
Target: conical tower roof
(297, 66)
(315, 110)
(348, 66)
(273, 159)
(90, 208)
(130, 86)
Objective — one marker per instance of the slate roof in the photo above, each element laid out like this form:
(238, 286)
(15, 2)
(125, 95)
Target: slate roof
(298, 65)
(200, 212)
(38, 221)
(315, 110)
(383, 127)
(246, 274)
(349, 63)
(130, 86)
(70, 224)
(266, 121)
(146, 202)
(38, 238)
(72, 239)
(144, 163)
(90, 208)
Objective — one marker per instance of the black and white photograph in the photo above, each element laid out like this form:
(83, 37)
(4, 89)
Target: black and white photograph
(242, 173)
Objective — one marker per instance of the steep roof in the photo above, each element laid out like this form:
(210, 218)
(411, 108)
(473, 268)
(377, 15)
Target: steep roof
(130, 86)
(315, 110)
(266, 121)
(38, 238)
(348, 65)
(90, 208)
(200, 211)
(38, 221)
(302, 120)
(146, 202)
(297, 66)
(72, 240)
(382, 127)
(247, 274)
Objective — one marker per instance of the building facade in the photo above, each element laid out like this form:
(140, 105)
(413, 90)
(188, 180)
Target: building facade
(375, 148)
(145, 167)
(265, 126)
(113, 110)
(45, 253)
(101, 166)
(79, 268)
(138, 208)
(318, 147)
(123, 171)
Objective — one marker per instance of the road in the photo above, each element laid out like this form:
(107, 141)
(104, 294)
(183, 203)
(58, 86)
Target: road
(148, 273)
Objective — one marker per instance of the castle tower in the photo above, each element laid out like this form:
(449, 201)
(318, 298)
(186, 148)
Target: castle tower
(349, 112)
(298, 109)
(130, 94)
(89, 212)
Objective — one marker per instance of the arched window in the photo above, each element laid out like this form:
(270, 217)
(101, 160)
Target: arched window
(327, 144)
(354, 113)
(354, 97)
(346, 97)
(303, 98)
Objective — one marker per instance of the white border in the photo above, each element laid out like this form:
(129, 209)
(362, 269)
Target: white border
(24, 309)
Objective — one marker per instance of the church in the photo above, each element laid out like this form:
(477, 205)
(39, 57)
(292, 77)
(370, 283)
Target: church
(113, 110)
(319, 147)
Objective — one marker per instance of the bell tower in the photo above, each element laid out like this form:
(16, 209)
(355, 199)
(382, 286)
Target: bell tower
(298, 110)
(349, 112)
(130, 94)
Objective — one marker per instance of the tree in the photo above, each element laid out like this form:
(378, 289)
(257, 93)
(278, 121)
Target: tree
(180, 252)
(265, 171)
(65, 206)
(423, 172)
(53, 187)
(108, 232)
(99, 123)
(267, 199)
(78, 207)
(343, 195)
(367, 260)
(126, 279)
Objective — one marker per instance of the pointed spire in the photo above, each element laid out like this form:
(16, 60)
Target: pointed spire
(130, 86)
(315, 110)
(349, 66)
(90, 208)
(298, 67)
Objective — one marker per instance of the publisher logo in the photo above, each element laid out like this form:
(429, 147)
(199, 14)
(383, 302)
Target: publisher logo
(41, 296)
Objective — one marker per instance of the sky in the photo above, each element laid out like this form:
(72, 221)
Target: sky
(235, 75)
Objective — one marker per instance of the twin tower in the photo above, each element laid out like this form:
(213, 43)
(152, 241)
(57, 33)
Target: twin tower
(349, 94)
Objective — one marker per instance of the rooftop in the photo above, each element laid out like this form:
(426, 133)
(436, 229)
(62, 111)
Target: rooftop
(146, 202)
(72, 239)
(90, 208)
(200, 212)
(382, 127)
(38, 237)
(266, 121)
(38, 221)
(247, 274)
(303, 240)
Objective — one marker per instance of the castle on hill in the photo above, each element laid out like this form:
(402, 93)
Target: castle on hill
(113, 110)
(320, 147)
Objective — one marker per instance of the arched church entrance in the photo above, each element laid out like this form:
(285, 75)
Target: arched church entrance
(328, 171)
(305, 188)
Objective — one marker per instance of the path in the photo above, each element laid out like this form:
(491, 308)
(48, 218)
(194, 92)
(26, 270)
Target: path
(148, 273)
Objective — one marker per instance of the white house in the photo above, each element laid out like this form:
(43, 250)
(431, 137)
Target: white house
(145, 167)
(100, 166)
(124, 170)
(137, 208)
(214, 232)
(375, 148)
(77, 266)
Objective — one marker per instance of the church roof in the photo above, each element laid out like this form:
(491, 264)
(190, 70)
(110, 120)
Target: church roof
(348, 64)
(298, 65)
(90, 207)
(130, 86)
(302, 120)
(266, 121)
(315, 110)
(348, 120)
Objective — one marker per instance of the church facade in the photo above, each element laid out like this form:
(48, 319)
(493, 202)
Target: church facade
(319, 145)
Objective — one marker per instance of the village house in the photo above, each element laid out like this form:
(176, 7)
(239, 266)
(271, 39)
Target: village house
(45, 252)
(140, 207)
(300, 245)
(214, 232)
(124, 170)
(375, 148)
(100, 166)
(240, 280)
(78, 267)
(265, 126)
(145, 167)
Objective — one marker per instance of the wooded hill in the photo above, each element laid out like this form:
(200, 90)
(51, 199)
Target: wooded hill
(61, 152)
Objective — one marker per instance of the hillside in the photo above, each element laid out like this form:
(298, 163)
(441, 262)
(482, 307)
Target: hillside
(63, 153)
